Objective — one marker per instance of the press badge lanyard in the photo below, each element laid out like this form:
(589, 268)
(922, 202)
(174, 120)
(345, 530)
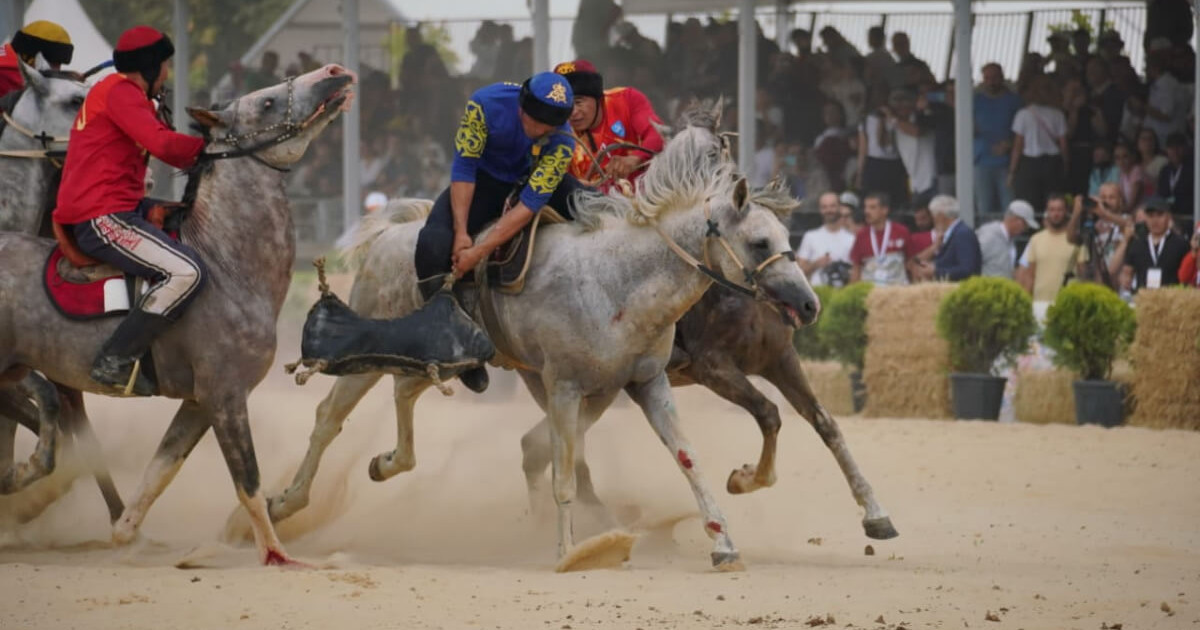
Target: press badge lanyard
(1175, 179)
(887, 238)
(1155, 252)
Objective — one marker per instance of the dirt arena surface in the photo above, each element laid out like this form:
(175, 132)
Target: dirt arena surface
(1001, 526)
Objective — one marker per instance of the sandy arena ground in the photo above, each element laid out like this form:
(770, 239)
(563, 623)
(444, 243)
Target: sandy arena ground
(1002, 526)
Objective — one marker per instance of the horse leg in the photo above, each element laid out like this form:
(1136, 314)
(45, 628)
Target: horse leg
(405, 391)
(655, 398)
(730, 383)
(80, 428)
(536, 450)
(231, 424)
(788, 376)
(331, 413)
(41, 463)
(564, 403)
(190, 424)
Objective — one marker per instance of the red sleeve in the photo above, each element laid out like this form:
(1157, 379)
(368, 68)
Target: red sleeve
(132, 113)
(1187, 269)
(860, 251)
(642, 116)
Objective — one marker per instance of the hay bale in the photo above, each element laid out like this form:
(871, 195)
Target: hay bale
(906, 362)
(830, 382)
(1166, 360)
(1044, 396)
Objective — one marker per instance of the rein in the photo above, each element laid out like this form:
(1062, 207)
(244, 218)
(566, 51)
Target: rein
(713, 232)
(45, 153)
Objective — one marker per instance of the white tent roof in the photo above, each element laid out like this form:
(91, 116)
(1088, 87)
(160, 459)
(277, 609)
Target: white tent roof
(90, 46)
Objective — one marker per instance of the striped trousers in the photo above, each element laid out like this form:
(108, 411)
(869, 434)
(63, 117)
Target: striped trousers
(127, 241)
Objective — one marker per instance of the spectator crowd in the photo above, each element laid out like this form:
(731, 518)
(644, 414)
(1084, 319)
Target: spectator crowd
(1077, 148)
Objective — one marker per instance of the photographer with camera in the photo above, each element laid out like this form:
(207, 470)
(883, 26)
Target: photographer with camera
(1155, 253)
(1098, 224)
(825, 251)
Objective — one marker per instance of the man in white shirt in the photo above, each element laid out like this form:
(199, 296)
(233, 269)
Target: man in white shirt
(827, 244)
(996, 239)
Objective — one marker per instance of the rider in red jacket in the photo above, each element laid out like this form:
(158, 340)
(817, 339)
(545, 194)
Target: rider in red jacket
(101, 200)
(604, 118)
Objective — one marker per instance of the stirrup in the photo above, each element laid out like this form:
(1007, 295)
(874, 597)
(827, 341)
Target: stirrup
(133, 374)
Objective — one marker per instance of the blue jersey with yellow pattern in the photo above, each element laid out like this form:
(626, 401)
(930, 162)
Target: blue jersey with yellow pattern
(490, 137)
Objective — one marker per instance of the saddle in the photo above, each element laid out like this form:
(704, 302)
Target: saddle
(506, 268)
(76, 283)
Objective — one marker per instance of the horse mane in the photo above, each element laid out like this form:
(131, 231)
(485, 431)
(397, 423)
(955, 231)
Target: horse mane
(689, 170)
(354, 244)
(777, 198)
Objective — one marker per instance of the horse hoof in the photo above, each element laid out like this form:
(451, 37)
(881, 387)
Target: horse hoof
(727, 562)
(880, 528)
(373, 470)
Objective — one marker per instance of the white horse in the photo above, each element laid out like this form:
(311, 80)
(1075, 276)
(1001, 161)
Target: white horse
(597, 314)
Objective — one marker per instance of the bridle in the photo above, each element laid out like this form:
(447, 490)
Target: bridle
(750, 276)
(55, 156)
(288, 128)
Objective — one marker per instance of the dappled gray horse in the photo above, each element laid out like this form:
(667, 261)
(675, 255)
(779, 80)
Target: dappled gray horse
(241, 225)
(37, 122)
(726, 337)
(596, 316)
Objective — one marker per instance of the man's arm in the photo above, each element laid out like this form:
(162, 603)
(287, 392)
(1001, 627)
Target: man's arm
(461, 196)
(469, 142)
(1025, 277)
(133, 115)
(507, 227)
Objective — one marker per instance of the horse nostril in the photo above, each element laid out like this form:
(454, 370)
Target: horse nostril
(334, 71)
(810, 307)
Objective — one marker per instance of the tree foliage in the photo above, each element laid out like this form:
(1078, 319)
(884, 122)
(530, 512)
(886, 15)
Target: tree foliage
(220, 30)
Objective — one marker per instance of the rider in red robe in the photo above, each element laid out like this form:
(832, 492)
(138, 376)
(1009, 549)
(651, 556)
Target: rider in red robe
(603, 118)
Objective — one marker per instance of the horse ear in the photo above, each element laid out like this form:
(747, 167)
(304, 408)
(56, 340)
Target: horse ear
(208, 118)
(717, 111)
(34, 79)
(741, 195)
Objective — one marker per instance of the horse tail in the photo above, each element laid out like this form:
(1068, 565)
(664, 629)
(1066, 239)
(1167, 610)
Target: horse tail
(355, 243)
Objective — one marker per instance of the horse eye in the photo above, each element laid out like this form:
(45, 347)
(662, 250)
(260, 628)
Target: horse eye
(761, 245)
(76, 102)
(268, 103)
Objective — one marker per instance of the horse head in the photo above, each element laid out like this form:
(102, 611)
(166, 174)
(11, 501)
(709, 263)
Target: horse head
(753, 250)
(47, 106)
(277, 123)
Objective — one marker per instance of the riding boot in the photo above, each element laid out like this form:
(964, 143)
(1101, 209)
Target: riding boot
(474, 379)
(128, 343)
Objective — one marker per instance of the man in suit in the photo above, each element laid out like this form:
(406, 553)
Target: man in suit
(958, 256)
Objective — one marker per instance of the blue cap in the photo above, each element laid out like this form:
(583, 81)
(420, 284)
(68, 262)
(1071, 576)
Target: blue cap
(547, 98)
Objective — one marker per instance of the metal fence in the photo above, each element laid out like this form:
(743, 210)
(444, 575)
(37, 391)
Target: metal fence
(996, 37)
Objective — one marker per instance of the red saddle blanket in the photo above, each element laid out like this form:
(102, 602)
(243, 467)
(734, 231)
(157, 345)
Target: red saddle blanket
(75, 300)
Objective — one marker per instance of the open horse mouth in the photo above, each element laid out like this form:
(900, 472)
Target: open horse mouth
(793, 315)
(340, 94)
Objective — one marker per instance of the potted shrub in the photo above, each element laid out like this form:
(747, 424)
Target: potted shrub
(843, 329)
(1088, 326)
(987, 323)
(808, 343)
